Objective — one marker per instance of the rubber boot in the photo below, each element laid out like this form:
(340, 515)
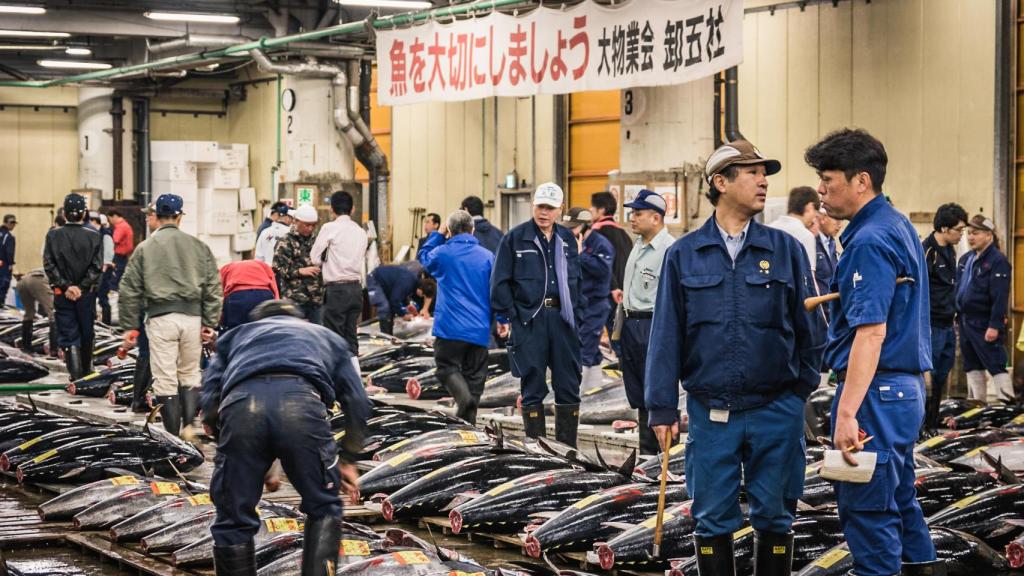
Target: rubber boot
(1004, 388)
(467, 412)
(533, 421)
(648, 440)
(976, 385)
(105, 314)
(715, 555)
(934, 568)
(140, 385)
(235, 560)
(320, 542)
(931, 411)
(26, 336)
(54, 347)
(87, 367)
(73, 361)
(387, 325)
(456, 385)
(170, 413)
(189, 405)
(567, 423)
(773, 554)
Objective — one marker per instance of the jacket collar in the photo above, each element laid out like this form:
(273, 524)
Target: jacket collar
(708, 235)
(861, 217)
(532, 231)
(463, 239)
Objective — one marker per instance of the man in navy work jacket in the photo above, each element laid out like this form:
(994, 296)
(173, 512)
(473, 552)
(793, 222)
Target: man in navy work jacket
(536, 297)
(879, 345)
(729, 322)
(389, 288)
(462, 317)
(596, 257)
(265, 396)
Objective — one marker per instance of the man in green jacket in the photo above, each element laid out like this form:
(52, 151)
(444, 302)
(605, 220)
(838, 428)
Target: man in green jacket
(173, 279)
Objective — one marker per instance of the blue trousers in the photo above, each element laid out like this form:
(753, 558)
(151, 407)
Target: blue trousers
(238, 305)
(592, 320)
(378, 298)
(264, 418)
(542, 343)
(943, 355)
(763, 446)
(5, 284)
(635, 334)
(979, 354)
(882, 519)
(75, 320)
(610, 325)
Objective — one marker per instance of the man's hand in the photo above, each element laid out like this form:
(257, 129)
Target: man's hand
(73, 293)
(425, 313)
(131, 338)
(407, 317)
(107, 267)
(503, 330)
(309, 271)
(991, 335)
(617, 296)
(661, 429)
(349, 481)
(208, 334)
(847, 438)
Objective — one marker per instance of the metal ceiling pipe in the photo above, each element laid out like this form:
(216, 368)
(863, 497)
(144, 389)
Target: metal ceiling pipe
(375, 154)
(192, 41)
(732, 105)
(327, 50)
(373, 157)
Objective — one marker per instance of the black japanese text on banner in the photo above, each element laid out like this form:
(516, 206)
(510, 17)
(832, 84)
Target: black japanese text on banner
(550, 51)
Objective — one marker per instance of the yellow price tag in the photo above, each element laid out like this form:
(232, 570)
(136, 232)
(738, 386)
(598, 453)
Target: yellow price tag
(44, 456)
(469, 436)
(411, 557)
(165, 488)
(354, 548)
(400, 444)
(592, 391)
(973, 453)
(969, 413)
(394, 462)
(586, 501)
(676, 449)
(963, 503)
(200, 500)
(92, 376)
(652, 522)
(500, 488)
(461, 573)
(933, 441)
(125, 481)
(830, 558)
(283, 525)
(742, 532)
(339, 436)
(30, 443)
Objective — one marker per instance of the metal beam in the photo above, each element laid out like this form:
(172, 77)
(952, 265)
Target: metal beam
(79, 22)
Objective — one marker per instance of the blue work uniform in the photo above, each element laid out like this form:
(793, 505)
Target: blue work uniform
(535, 288)
(272, 381)
(881, 519)
(827, 258)
(729, 322)
(983, 292)
(595, 284)
(7, 250)
(389, 288)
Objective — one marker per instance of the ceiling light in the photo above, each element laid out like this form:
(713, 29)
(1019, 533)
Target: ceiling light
(29, 47)
(78, 51)
(32, 34)
(400, 4)
(184, 17)
(22, 10)
(79, 64)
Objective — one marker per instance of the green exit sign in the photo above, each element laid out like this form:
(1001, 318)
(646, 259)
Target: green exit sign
(304, 195)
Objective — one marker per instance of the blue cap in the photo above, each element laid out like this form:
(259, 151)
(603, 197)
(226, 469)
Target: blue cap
(282, 210)
(169, 205)
(647, 200)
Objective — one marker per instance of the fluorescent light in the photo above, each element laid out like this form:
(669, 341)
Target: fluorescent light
(79, 64)
(185, 17)
(29, 47)
(32, 34)
(400, 4)
(78, 51)
(22, 10)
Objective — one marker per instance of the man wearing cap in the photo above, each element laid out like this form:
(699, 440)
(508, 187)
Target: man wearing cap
(596, 257)
(266, 242)
(7, 245)
(982, 295)
(73, 261)
(879, 346)
(640, 288)
(297, 275)
(729, 323)
(535, 295)
(172, 279)
(277, 209)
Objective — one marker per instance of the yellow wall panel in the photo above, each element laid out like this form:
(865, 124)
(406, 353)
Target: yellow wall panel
(593, 143)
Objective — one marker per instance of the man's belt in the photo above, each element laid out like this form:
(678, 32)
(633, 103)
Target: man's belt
(340, 282)
(638, 314)
(552, 302)
(841, 374)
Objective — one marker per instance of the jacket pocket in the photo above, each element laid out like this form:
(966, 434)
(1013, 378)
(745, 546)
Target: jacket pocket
(874, 496)
(703, 299)
(766, 300)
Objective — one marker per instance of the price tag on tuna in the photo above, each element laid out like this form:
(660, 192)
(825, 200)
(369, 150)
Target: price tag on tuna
(965, 502)
(586, 501)
(165, 488)
(468, 436)
(339, 436)
(400, 444)
(676, 449)
(592, 391)
(30, 443)
(742, 532)
(830, 558)
(505, 487)
(92, 376)
(969, 413)
(200, 500)
(283, 525)
(354, 548)
(124, 481)
(933, 441)
(411, 557)
(652, 522)
(1018, 420)
(399, 459)
(461, 573)
(44, 456)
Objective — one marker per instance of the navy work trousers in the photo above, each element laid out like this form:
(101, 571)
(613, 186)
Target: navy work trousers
(238, 305)
(979, 354)
(545, 342)
(75, 320)
(592, 321)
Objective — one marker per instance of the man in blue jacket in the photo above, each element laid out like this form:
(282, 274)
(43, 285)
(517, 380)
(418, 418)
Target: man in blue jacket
(729, 322)
(7, 250)
(596, 257)
(535, 294)
(462, 316)
(388, 289)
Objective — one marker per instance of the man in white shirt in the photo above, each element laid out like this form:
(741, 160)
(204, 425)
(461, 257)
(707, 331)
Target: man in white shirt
(802, 209)
(340, 251)
(266, 243)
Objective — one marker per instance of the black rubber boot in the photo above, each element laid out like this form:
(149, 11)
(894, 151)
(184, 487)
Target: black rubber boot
(26, 336)
(140, 385)
(170, 413)
(456, 385)
(467, 413)
(533, 421)
(87, 367)
(320, 542)
(73, 362)
(715, 555)
(935, 568)
(387, 326)
(189, 404)
(773, 554)
(54, 347)
(649, 444)
(567, 423)
(235, 560)
(105, 314)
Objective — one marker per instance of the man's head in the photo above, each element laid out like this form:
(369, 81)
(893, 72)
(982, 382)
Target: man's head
(278, 210)
(10, 221)
(427, 287)
(980, 232)
(738, 173)
(647, 213)
(269, 308)
(431, 223)
(460, 222)
(804, 204)
(547, 205)
(305, 218)
(603, 204)
(115, 216)
(169, 209)
(75, 207)
(828, 225)
(342, 203)
(151, 222)
(851, 165)
(474, 205)
(950, 221)
(98, 220)
(578, 220)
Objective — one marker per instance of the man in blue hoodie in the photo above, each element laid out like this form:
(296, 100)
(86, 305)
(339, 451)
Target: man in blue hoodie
(462, 316)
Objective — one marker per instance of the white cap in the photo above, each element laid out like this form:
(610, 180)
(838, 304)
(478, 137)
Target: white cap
(548, 194)
(304, 213)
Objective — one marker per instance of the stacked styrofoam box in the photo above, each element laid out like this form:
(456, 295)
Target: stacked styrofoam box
(234, 158)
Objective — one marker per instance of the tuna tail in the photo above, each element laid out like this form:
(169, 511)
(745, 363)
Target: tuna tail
(149, 419)
(1005, 474)
(31, 403)
(626, 470)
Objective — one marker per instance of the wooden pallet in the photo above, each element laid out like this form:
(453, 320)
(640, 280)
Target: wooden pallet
(498, 540)
(124, 556)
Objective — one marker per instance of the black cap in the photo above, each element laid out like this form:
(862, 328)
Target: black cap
(75, 204)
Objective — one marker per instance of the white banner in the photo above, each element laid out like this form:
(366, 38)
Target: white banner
(551, 51)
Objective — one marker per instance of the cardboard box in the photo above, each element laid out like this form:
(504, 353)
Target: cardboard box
(244, 179)
(174, 171)
(187, 190)
(245, 222)
(199, 151)
(220, 245)
(216, 223)
(247, 199)
(218, 200)
(219, 178)
(231, 159)
(243, 241)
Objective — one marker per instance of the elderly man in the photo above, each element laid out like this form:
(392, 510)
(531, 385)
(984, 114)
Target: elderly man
(297, 275)
(535, 293)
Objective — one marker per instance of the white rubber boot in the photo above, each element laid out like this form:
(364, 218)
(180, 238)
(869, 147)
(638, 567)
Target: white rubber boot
(976, 385)
(1004, 387)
